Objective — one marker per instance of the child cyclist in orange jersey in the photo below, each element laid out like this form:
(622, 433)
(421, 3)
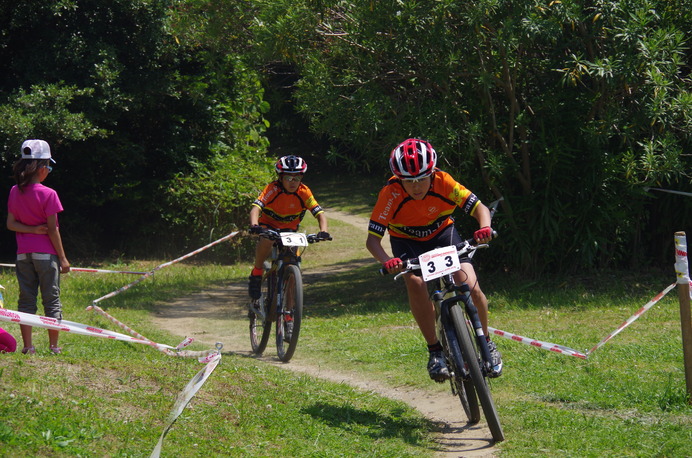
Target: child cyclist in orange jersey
(416, 206)
(281, 206)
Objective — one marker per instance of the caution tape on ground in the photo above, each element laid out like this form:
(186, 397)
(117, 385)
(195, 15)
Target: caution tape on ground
(29, 319)
(184, 398)
(209, 357)
(571, 352)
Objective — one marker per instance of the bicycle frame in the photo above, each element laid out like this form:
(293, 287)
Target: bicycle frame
(281, 300)
(280, 258)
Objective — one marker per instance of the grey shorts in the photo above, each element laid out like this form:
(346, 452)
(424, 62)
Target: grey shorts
(39, 271)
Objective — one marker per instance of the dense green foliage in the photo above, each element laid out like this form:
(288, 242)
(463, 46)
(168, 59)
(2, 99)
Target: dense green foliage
(158, 112)
(564, 109)
(145, 125)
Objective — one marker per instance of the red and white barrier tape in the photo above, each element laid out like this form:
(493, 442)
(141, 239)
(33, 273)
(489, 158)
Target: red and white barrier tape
(537, 343)
(166, 264)
(682, 270)
(631, 319)
(210, 357)
(571, 352)
(184, 398)
(29, 319)
(169, 351)
(84, 269)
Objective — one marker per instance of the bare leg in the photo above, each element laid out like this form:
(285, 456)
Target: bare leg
(421, 307)
(262, 252)
(53, 336)
(27, 335)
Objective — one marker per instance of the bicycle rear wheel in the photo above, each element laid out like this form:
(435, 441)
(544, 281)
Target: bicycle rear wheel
(470, 354)
(462, 387)
(288, 322)
(261, 326)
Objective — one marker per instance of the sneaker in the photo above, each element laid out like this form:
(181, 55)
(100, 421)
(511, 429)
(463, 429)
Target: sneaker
(29, 350)
(496, 369)
(437, 368)
(255, 286)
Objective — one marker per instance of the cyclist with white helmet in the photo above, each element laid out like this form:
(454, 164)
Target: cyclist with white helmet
(416, 207)
(281, 206)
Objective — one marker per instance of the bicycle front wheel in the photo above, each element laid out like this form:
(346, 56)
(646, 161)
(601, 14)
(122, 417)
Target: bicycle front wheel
(260, 324)
(289, 320)
(461, 386)
(471, 357)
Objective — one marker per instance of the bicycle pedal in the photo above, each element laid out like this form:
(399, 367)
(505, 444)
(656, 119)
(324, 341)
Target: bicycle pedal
(441, 378)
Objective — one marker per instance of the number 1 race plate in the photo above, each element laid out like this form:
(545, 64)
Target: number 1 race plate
(439, 262)
(293, 239)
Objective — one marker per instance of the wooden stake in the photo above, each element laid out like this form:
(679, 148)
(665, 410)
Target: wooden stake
(683, 273)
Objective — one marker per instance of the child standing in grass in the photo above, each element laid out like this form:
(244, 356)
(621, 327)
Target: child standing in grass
(33, 215)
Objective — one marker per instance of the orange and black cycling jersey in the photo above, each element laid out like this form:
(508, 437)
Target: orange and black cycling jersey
(283, 210)
(420, 219)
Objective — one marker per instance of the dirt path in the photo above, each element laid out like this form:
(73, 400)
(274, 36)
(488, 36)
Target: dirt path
(219, 315)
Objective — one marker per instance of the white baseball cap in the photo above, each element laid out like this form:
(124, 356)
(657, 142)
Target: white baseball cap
(36, 149)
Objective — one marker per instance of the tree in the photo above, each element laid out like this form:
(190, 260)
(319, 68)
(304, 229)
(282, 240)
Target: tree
(130, 109)
(565, 109)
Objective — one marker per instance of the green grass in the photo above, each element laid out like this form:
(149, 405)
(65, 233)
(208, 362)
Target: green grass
(627, 399)
(352, 193)
(109, 398)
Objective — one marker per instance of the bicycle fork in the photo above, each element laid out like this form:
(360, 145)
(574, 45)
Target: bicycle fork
(450, 336)
(464, 295)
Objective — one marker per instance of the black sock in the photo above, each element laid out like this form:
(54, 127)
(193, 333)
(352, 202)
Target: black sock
(435, 347)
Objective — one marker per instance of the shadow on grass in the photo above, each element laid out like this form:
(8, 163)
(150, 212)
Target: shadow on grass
(353, 287)
(359, 200)
(372, 424)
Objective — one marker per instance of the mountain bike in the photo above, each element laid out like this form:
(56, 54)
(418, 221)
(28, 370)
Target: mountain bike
(281, 300)
(468, 359)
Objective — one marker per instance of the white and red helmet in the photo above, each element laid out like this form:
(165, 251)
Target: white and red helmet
(291, 164)
(413, 159)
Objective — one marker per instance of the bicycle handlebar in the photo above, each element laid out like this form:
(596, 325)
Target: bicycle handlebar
(271, 234)
(464, 248)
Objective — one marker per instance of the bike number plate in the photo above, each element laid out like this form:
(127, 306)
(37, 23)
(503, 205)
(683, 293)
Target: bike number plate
(293, 239)
(439, 262)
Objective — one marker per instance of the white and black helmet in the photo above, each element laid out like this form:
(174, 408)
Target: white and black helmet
(291, 164)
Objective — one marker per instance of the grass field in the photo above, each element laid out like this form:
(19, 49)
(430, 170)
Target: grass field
(107, 398)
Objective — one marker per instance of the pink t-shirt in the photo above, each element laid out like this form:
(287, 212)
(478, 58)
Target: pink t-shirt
(32, 207)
